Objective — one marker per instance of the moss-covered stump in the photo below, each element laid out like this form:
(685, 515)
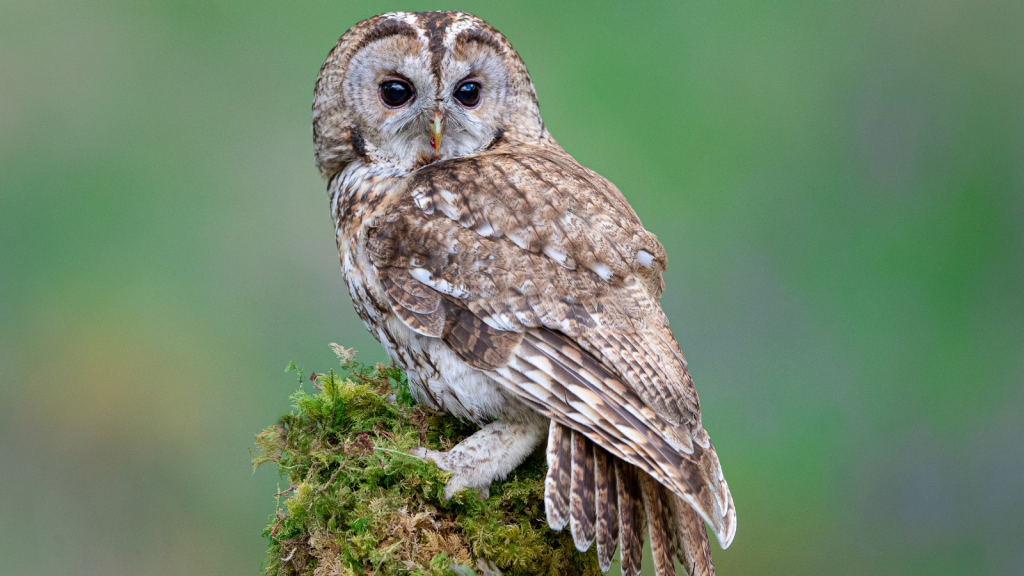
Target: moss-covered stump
(358, 504)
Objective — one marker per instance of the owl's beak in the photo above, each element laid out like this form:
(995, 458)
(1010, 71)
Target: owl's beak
(435, 130)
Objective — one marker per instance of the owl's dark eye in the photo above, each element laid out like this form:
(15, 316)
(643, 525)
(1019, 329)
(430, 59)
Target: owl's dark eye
(468, 94)
(395, 93)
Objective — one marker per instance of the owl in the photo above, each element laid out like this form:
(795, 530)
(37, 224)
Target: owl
(517, 288)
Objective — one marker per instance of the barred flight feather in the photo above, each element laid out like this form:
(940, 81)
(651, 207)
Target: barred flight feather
(661, 542)
(697, 476)
(582, 517)
(607, 504)
(557, 481)
(632, 519)
(692, 548)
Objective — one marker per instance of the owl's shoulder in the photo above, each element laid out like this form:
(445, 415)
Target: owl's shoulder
(538, 199)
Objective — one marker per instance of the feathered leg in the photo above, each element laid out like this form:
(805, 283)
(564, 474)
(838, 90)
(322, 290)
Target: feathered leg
(489, 454)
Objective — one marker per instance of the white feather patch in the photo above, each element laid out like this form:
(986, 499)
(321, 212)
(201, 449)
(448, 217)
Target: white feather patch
(519, 239)
(423, 202)
(439, 284)
(602, 270)
(558, 256)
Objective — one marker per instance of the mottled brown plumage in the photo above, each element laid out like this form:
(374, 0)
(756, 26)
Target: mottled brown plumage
(515, 286)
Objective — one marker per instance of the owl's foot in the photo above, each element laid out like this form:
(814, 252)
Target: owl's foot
(463, 472)
(488, 455)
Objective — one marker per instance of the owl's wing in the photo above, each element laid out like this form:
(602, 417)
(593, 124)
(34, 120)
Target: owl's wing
(531, 267)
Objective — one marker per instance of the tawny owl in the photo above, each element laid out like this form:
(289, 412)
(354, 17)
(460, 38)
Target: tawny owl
(517, 288)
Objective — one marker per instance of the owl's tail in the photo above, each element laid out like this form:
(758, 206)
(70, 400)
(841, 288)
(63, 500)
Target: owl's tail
(612, 502)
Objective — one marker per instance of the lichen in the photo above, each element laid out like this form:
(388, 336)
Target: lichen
(357, 503)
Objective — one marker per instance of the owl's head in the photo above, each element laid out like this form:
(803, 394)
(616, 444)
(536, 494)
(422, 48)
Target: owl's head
(405, 89)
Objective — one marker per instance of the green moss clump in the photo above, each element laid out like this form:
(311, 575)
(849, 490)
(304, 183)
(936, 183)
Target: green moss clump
(358, 504)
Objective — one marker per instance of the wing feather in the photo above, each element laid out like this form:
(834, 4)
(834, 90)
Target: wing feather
(476, 342)
(417, 305)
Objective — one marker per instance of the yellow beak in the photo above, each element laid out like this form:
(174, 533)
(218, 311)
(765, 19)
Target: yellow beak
(435, 130)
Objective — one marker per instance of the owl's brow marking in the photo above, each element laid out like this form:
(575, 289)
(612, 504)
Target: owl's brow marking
(389, 27)
(435, 24)
(481, 37)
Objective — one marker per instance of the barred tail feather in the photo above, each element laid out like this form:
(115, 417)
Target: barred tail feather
(631, 518)
(557, 482)
(607, 508)
(692, 548)
(568, 385)
(606, 500)
(657, 527)
(582, 511)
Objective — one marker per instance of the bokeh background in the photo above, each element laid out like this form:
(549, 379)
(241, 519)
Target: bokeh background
(839, 186)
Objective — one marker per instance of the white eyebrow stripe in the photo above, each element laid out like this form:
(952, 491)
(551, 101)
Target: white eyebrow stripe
(462, 23)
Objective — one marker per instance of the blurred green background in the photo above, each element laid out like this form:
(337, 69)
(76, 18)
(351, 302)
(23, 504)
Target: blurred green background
(839, 186)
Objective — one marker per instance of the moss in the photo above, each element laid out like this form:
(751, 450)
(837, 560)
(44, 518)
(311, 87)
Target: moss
(358, 504)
